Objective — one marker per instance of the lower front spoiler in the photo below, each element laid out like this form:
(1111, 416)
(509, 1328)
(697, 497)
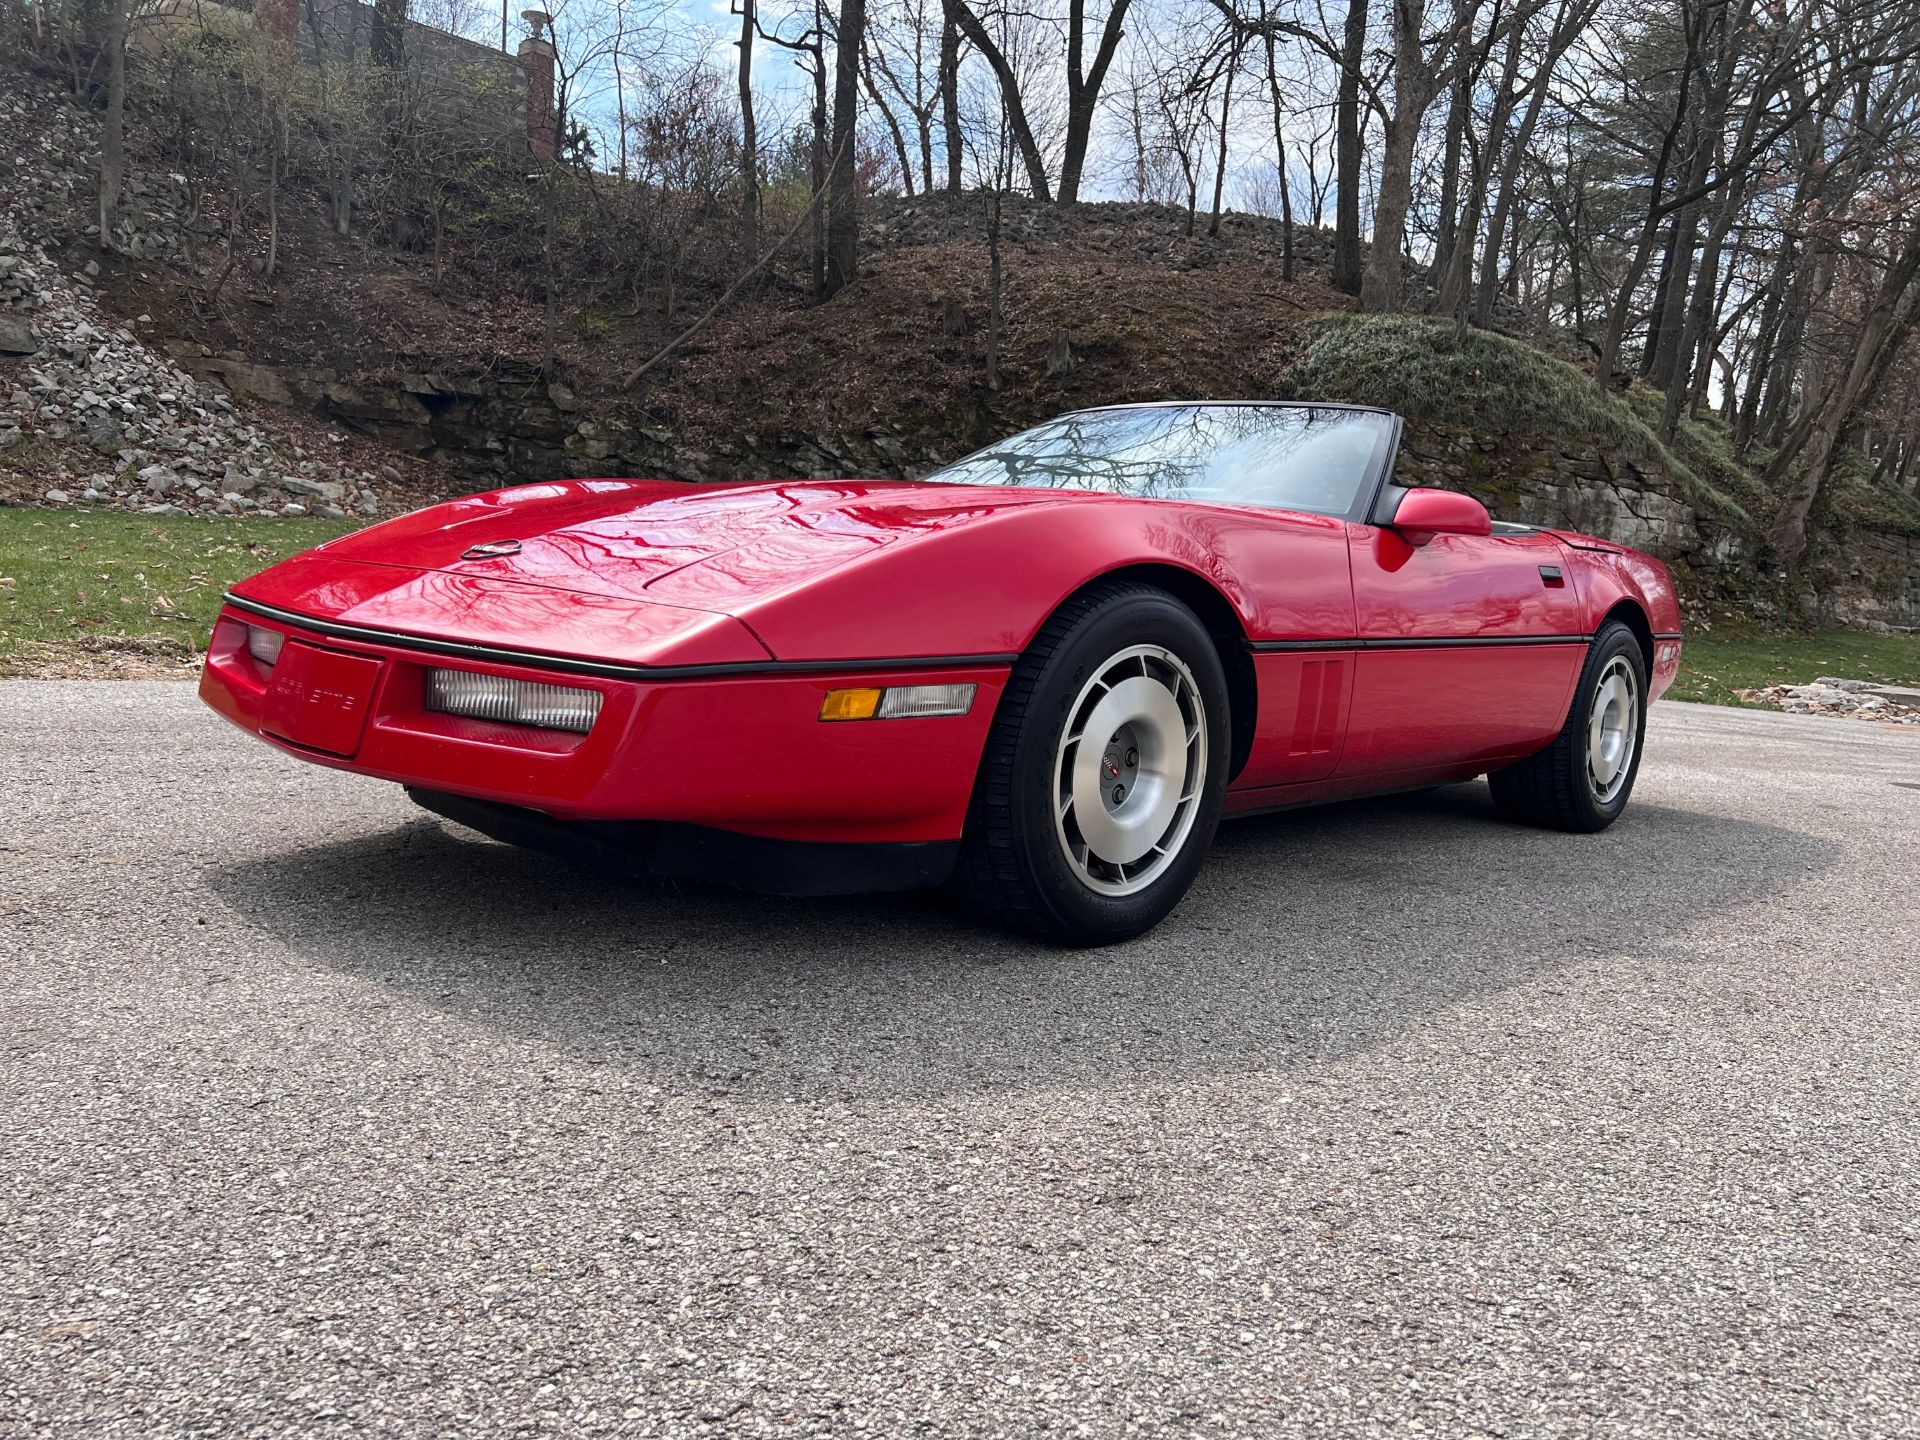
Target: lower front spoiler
(694, 852)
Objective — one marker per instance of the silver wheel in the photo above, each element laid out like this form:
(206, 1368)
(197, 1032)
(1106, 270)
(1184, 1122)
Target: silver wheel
(1613, 729)
(1130, 769)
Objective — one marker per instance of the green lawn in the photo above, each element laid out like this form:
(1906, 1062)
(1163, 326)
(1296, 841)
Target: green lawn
(1714, 665)
(91, 592)
(82, 592)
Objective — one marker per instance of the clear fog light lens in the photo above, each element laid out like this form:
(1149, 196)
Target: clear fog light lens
(908, 702)
(515, 702)
(264, 644)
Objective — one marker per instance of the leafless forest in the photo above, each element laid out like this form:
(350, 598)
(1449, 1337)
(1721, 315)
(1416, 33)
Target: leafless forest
(1715, 199)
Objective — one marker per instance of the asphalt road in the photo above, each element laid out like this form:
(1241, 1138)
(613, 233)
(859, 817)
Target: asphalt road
(319, 1117)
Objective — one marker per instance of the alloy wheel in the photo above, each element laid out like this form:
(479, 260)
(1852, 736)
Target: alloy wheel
(1613, 729)
(1130, 769)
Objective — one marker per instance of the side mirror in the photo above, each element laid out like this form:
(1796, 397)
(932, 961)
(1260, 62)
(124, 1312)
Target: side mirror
(1423, 514)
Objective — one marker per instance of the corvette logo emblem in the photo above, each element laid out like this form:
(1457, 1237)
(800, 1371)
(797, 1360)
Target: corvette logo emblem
(492, 550)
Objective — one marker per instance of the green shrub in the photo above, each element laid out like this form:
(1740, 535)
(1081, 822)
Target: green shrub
(1423, 368)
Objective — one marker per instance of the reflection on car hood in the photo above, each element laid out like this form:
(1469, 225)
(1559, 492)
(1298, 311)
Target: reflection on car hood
(706, 547)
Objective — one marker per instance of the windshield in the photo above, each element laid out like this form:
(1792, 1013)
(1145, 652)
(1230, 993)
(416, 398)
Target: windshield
(1288, 457)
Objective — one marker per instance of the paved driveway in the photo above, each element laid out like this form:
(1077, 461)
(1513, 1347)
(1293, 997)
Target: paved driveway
(319, 1117)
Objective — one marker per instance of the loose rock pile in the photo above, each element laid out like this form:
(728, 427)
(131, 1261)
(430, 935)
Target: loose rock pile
(115, 422)
(20, 285)
(1847, 699)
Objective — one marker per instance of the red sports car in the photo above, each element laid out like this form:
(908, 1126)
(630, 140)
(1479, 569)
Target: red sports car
(1046, 671)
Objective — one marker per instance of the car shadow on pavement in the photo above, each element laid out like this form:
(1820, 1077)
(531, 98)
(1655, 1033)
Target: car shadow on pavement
(1309, 936)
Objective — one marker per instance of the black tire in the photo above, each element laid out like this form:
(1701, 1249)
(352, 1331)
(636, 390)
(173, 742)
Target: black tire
(1556, 788)
(1015, 866)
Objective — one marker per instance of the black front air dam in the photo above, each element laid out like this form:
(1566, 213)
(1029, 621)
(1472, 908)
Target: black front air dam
(693, 852)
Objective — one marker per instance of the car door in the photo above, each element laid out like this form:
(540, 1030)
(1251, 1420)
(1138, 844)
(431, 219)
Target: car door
(1296, 572)
(1469, 648)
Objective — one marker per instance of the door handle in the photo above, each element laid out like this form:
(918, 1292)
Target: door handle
(1550, 575)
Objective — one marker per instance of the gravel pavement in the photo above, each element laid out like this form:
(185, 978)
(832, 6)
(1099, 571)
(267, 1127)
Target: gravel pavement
(319, 1117)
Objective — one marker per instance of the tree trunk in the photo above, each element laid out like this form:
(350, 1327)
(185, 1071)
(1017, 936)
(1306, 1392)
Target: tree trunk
(343, 183)
(274, 153)
(113, 126)
(1450, 297)
(949, 82)
(1280, 151)
(749, 138)
(1622, 307)
(1380, 285)
(1447, 231)
(1805, 459)
(1505, 193)
(1083, 88)
(843, 221)
(1667, 341)
(1415, 82)
(894, 132)
(1220, 161)
(996, 318)
(1681, 385)
(1016, 114)
(1346, 210)
(1761, 361)
(1776, 402)
(387, 43)
(817, 157)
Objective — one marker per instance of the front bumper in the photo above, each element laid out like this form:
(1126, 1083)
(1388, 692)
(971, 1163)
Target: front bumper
(733, 751)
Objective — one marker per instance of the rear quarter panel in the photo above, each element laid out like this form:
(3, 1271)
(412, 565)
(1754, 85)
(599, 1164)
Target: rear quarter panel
(1610, 576)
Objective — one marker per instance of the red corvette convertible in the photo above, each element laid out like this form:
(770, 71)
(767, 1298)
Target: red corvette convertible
(1046, 671)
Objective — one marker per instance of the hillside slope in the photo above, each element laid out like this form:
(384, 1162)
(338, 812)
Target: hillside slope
(355, 368)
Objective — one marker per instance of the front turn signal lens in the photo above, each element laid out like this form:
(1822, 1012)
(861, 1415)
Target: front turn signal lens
(850, 705)
(898, 702)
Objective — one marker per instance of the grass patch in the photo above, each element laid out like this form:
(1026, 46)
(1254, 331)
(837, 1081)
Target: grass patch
(1423, 368)
(1713, 666)
(80, 584)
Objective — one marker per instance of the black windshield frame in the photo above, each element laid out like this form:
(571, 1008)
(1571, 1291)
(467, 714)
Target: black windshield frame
(1366, 495)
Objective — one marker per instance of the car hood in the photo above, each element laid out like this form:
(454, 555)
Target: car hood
(708, 547)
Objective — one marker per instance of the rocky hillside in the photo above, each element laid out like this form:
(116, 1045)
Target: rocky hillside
(92, 410)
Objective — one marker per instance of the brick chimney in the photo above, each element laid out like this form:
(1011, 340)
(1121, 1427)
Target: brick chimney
(536, 58)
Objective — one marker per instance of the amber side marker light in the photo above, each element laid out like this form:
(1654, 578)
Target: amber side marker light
(898, 702)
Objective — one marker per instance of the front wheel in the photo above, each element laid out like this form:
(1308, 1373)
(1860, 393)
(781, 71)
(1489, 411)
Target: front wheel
(1101, 784)
(1582, 780)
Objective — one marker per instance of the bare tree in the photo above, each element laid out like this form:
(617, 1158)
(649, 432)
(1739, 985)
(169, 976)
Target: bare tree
(113, 144)
(749, 12)
(1421, 68)
(1346, 208)
(1801, 467)
(843, 224)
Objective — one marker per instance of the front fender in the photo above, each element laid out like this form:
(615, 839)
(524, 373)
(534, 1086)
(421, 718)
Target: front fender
(987, 587)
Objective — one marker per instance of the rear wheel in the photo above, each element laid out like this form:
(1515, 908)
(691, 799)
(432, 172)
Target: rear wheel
(1101, 784)
(1581, 781)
